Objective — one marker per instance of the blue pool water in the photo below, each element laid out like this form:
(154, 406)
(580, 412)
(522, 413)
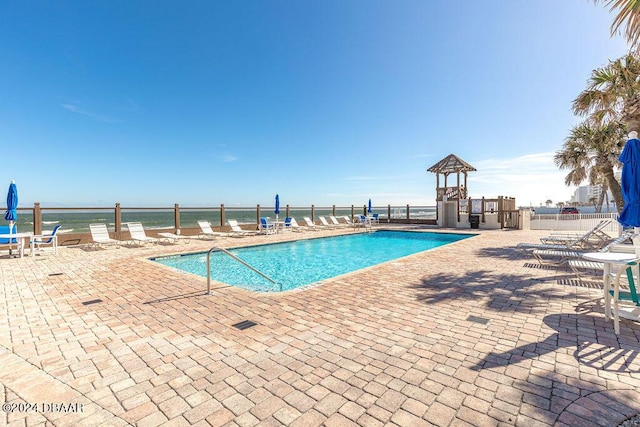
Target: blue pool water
(302, 262)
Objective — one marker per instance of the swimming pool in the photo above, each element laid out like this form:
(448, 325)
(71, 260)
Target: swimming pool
(303, 262)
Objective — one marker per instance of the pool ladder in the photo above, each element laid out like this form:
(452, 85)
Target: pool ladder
(223, 250)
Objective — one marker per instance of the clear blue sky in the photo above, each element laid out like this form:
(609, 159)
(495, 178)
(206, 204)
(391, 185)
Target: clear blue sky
(326, 102)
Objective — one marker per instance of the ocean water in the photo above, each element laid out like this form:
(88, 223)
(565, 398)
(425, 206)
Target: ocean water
(302, 262)
(78, 221)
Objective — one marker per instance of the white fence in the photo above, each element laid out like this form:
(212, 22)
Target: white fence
(579, 222)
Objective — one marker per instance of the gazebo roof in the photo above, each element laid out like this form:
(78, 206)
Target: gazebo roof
(450, 164)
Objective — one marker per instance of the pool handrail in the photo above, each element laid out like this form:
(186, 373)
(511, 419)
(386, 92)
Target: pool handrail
(223, 250)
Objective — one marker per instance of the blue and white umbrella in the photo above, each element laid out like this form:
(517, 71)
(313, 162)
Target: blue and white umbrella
(369, 207)
(630, 158)
(277, 209)
(11, 214)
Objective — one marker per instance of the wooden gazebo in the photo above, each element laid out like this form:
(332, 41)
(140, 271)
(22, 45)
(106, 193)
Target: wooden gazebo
(447, 166)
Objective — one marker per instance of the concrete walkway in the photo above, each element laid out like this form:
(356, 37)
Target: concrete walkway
(471, 334)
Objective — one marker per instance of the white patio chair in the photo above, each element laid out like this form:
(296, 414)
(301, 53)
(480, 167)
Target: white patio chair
(100, 236)
(138, 236)
(237, 231)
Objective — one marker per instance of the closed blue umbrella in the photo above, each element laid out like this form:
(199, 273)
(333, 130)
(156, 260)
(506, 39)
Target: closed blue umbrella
(277, 209)
(369, 208)
(630, 158)
(11, 214)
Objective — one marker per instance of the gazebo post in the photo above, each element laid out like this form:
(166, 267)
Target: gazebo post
(458, 196)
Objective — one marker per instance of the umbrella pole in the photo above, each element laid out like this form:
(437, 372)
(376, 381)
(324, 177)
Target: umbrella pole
(10, 239)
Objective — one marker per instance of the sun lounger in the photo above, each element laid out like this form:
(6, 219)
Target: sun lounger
(207, 231)
(138, 236)
(348, 221)
(337, 223)
(594, 237)
(173, 238)
(310, 224)
(295, 226)
(567, 255)
(237, 231)
(289, 225)
(616, 245)
(100, 236)
(555, 255)
(325, 223)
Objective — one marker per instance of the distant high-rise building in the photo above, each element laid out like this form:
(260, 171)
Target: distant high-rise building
(585, 193)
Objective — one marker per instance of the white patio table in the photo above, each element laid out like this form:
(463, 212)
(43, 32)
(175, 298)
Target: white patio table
(20, 237)
(608, 259)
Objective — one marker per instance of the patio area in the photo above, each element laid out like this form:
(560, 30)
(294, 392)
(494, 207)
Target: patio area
(469, 334)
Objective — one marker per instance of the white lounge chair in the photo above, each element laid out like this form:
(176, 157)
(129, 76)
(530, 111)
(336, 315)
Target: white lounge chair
(295, 226)
(590, 240)
(567, 254)
(236, 231)
(337, 223)
(325, 223)
(138, 236)
(310, 224)
(173, 238)
(347, 220)
(616, 245)
(100, 236)
(207, 231)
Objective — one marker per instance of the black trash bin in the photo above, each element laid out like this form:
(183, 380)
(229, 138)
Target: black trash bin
(475, 221)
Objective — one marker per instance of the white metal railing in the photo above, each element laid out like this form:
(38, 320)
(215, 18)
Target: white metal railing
(580, 222)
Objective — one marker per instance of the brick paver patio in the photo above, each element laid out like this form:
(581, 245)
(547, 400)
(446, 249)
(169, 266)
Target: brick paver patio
(471, 334)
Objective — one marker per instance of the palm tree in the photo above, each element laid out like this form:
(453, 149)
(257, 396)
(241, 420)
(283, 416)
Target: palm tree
(629, 15)
(548, 202)
(613, 94)
(590, 153)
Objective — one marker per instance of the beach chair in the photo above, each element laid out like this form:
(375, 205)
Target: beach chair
(310, 224)
(288, 225)
(592, 239)
(100, 236)
(325, 223)
(138, 236)
(348, 221)
(596, 236)
(266, 226)
(236, 231)
(631, 296)
(207, 231)
(295, 226)
(173, 238)
(566, 255)
(337, 223)
(616, 245)
(46, 239)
